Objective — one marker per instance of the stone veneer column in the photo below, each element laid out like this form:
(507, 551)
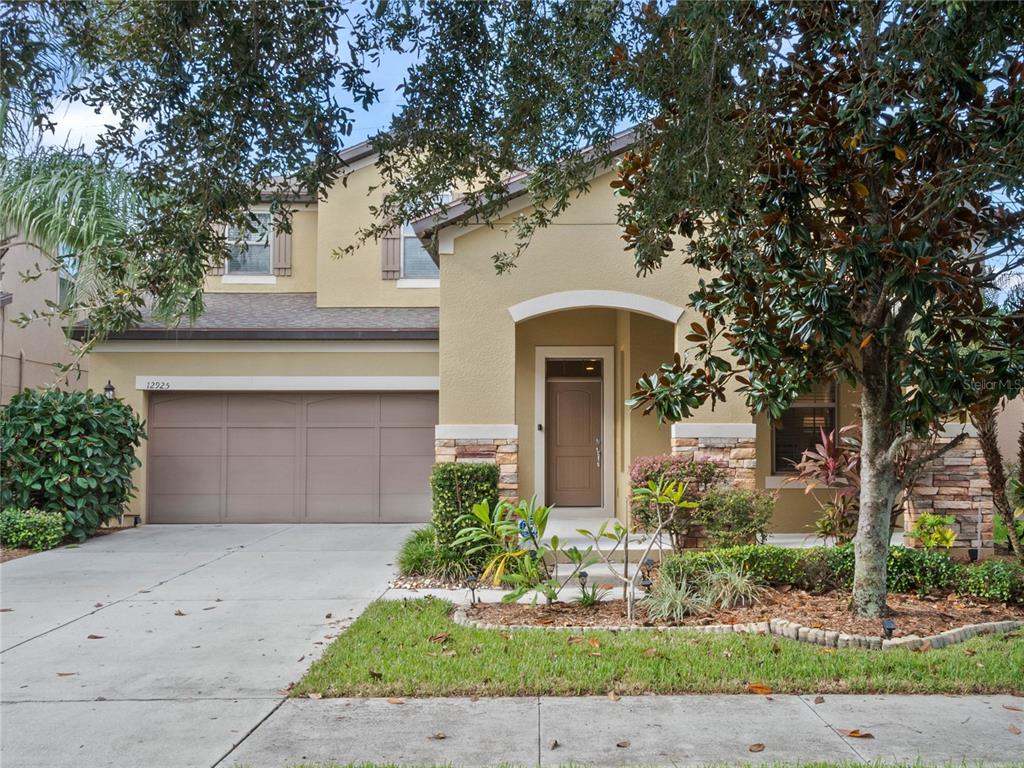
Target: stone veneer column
(482, 444)
(956, 484)
(731, 445)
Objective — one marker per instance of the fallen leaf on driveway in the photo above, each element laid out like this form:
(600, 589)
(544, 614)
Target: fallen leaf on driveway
(6, 610)
(94, 637)
(210, 608)
(819, 699)
(856, 733)
(315, 696)
(759, 747)
(758, 688)
(553, 744)
(179, 612)
(622, 744)
(1013, 729)
(1012, 708)
(395, 700)
(438, 736)
(613, 696)
(66, 674)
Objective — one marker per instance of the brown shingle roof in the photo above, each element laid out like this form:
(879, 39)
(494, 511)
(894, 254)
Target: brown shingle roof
(288, 316)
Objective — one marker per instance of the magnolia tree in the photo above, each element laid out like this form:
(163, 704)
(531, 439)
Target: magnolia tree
(846, 175)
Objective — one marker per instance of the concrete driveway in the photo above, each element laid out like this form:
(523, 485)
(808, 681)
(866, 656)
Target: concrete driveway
(166, 645)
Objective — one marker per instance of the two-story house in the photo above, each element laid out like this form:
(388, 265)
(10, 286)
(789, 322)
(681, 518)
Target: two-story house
(318, 388)
(30, 352)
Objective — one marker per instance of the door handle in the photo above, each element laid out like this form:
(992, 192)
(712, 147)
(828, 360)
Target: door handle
(597, 450)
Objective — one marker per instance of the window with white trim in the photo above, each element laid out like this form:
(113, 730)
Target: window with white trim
(250, 248)
(799, 429)
(417, 263)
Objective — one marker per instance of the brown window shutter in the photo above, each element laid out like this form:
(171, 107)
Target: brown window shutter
(218, 230)
(391, 255)
(281, 258)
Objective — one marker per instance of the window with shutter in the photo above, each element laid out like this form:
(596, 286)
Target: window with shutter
(251, 248)
(800, 427)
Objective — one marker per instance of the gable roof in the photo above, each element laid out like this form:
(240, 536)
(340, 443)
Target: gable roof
(515, 186)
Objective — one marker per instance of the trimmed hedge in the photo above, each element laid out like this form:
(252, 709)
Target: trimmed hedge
(71, 453)
(455, 488)
(31, 528)
(820, 569)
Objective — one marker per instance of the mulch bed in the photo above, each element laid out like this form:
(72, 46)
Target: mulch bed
(914, 615)
(7, 553)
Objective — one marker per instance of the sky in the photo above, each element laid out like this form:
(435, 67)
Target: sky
(78, 124)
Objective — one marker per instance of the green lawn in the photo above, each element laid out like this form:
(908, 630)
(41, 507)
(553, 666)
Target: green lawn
(411, 648)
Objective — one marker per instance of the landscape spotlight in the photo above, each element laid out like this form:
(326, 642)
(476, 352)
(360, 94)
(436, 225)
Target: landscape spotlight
(888, 626)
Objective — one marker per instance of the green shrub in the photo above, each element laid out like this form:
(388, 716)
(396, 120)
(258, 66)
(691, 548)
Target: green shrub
(920, 570)
(734, 516)
(416, 557)
(729, 585)
(993, 580)
(698, 477)
(770, 565)
(821, 569)
(71, 453)
(455, 488)
(31, 528)
(670, 600)
(421, 556)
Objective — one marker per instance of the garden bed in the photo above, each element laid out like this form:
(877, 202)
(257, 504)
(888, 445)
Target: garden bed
(13, 553)
(921, 616)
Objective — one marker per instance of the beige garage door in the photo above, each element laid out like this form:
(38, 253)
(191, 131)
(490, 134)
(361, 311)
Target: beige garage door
(297, 458)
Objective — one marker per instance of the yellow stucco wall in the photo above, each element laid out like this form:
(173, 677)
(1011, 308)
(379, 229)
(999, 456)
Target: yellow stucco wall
(272, 359)
(581, 250)
(303, 276)
(354, 280)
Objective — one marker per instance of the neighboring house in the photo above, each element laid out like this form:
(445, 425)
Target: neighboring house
(322, 389)
(1011, 422)
(28, 355)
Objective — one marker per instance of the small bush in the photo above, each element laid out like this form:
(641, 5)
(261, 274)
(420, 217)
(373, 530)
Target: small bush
(728, 585)
(31, 528)
(993, 580)
(422, 556)
(670, 600)
(697, 476)
(734, 516)
(920, 570)
(767, 564)
(455, 488)
(69, 452)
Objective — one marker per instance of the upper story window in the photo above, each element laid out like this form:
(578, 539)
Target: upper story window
(250, 248)
(416, 260)
(801, 425)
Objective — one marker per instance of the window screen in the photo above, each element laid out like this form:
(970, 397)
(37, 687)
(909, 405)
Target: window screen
(800, 427)
(250, 248)
(416, 260)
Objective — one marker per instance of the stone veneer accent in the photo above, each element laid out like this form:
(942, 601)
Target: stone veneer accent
(956, 484)
(737, 454)
(790, 630)
(501, 451)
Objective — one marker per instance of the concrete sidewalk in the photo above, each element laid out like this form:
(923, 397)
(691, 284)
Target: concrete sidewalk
(634, 731)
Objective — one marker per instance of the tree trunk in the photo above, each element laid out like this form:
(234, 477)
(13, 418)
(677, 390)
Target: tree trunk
(878, 489)
(984, 418)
